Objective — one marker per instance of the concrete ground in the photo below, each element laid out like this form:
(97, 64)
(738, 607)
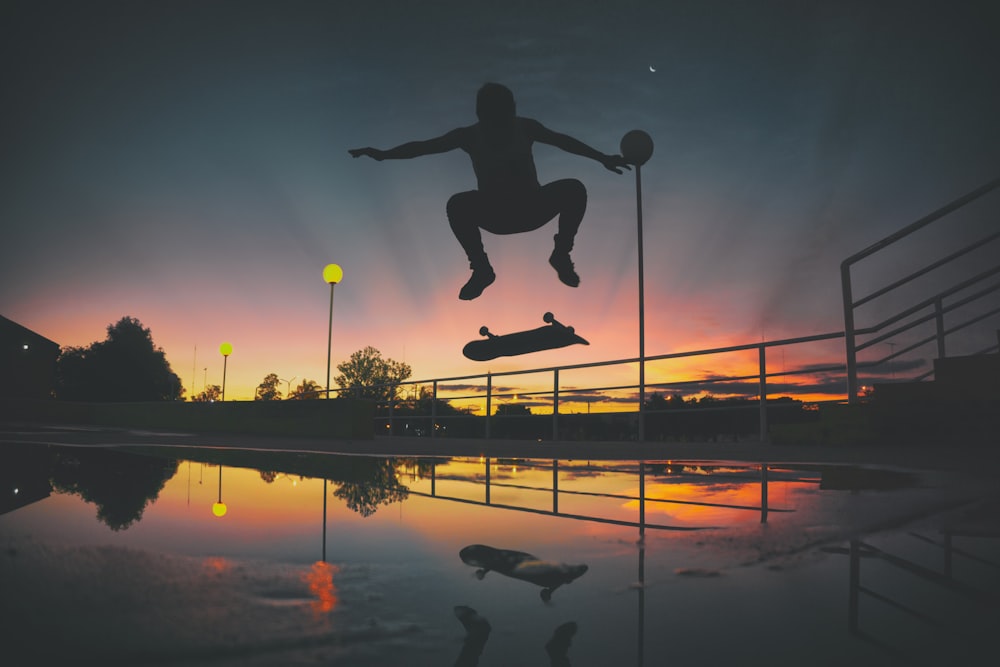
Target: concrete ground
(957, 456)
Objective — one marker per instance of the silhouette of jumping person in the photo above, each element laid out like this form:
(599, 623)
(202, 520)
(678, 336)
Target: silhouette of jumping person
(510, 199)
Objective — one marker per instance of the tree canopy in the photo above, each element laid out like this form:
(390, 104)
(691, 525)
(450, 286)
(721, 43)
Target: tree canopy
(308, 389)
(268, 390)
(367, 375)
(127, 366)
(210, 394)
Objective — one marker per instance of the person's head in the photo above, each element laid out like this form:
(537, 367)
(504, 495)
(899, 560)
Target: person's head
(494, 103)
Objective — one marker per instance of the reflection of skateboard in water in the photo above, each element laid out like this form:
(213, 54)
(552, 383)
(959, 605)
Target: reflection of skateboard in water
(520, 565)
(522, 342)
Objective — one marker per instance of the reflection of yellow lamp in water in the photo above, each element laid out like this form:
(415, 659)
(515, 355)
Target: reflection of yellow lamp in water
(219, 508)
(225, 349)
(333, 274)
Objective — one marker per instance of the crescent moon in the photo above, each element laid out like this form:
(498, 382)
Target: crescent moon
(652, 69)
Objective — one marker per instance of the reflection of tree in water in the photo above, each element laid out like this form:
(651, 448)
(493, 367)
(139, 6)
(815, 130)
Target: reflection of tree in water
(371, 482)
(268, 475)
(121, 485)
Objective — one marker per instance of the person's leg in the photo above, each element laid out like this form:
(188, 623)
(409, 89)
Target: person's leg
(464, 210)
(568, 197)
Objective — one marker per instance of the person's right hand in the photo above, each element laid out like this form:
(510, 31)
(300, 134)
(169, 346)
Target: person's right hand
(373, 153)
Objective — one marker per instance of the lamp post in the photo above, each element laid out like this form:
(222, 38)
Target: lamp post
(333, 274)
(226, 349)
(637, 148)
(289, 383)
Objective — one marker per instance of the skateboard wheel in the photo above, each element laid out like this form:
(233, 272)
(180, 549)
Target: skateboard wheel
(548, 318)
(483, 331)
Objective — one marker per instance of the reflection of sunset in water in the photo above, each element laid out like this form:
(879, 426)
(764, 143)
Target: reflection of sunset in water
(320, 581)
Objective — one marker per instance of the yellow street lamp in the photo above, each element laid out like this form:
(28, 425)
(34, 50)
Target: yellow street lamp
(333, 274)
(225, 349)
(219, 508)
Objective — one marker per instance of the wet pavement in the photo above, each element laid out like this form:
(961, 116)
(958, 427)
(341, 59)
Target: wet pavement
(133, 548)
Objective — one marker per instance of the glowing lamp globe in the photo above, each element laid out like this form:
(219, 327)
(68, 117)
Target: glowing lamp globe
(226, 349)
(219, 509)
(333, 274)
(637, 147)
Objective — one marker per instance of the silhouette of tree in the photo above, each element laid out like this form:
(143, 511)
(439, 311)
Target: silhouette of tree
(268, 390)
(367, 375)
(268, 475)
(308, 389)
(120, 484)
(658, 401)
(371, 483)
(512, 410)
(212, 393)
(127, 366)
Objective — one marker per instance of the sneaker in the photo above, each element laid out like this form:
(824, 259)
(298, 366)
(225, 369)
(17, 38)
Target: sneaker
(563, 265)
(480, 280)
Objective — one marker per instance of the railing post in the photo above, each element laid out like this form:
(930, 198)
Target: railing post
(852, 361)
(762, 355)
(434, 407)
(489, 402)
(939, 320)
(555, 486)
(392, 403)
(555, 404)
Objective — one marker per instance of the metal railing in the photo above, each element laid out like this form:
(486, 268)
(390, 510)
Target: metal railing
(930, 309)
(559, 395)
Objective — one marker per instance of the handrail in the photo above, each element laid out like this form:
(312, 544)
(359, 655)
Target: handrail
(762, 375)
(851, 332)
(922, 222)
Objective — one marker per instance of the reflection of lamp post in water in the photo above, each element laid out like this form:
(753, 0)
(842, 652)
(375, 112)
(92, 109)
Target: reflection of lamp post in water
(637, 148)
(226, 349)
(219, 508)
(324, 519)
(333, 274)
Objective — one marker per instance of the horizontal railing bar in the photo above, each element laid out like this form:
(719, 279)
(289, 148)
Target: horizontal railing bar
(577, 517)
(927, 269)
(619, 496)
(940, 295)
(930, 316)
(632, 360)
(922, 222)
(970, 322)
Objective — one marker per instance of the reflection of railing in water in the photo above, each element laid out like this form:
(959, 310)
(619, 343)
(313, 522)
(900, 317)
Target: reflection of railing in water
(641, 470)
(940, 580)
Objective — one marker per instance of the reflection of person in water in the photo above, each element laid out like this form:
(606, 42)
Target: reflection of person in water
(477, 631)
(510, 199)
(520, 565)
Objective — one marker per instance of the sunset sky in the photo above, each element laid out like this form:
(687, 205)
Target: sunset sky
(185, 163)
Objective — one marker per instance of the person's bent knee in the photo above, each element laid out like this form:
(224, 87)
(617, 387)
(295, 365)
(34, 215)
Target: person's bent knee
(463, 205)
(576, 188)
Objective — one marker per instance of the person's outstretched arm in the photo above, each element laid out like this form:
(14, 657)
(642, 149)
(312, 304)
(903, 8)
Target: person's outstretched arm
(442, 144)
(567, 143)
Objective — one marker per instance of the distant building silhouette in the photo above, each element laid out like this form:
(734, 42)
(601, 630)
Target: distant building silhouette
(27, 362)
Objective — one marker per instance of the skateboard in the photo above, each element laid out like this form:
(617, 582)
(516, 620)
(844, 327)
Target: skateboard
(520, 565)
(549, 337)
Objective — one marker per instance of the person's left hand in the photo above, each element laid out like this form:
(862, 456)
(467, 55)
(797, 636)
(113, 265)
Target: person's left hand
(615, 163)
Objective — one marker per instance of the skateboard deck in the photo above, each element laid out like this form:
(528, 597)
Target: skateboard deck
(548, 575)
(549, 337)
